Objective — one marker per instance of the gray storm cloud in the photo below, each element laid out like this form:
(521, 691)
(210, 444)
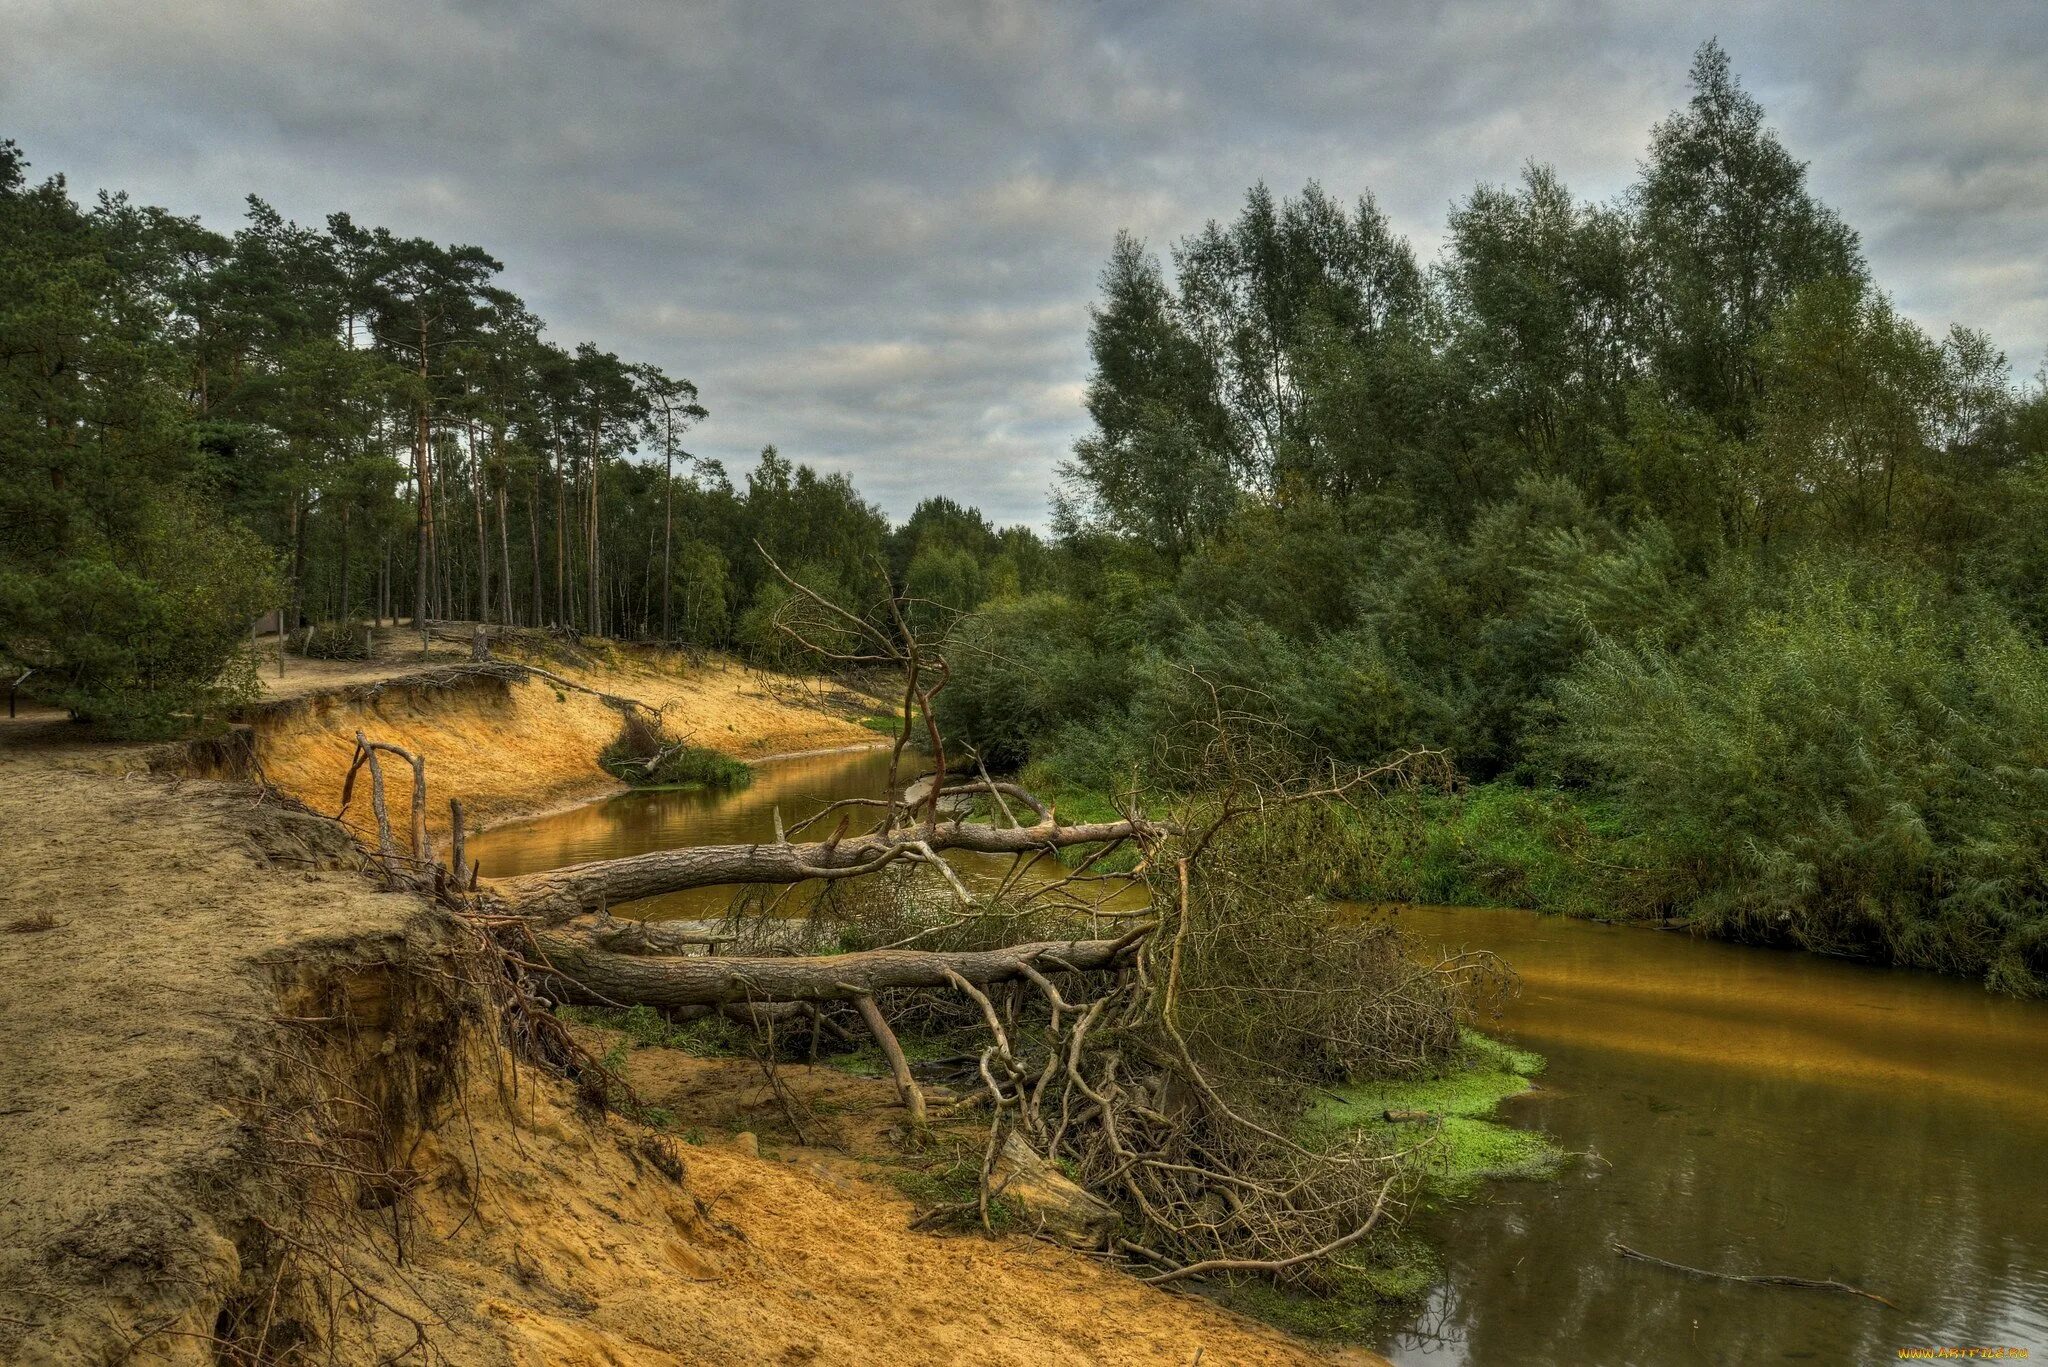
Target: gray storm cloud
(871, 233)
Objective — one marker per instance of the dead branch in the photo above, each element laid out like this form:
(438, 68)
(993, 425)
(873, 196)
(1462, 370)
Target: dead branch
(1269, 1266)
(1807, 1283)
(892, 1050)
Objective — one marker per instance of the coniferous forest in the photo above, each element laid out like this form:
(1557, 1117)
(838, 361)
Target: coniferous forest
(1717, 580)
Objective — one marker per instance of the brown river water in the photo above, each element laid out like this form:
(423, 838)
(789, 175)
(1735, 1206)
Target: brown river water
(1737, 1109)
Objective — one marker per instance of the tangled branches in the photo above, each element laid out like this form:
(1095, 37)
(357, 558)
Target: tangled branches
(1147, 1006)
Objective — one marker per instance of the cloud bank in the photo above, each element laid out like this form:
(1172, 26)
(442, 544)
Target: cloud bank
(871, 233)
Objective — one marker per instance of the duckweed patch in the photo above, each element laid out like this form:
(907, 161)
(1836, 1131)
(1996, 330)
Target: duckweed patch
(1461, 1145)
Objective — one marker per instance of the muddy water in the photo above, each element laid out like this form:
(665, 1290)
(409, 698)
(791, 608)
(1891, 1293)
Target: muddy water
(1753, 1111)
(1742, 1110)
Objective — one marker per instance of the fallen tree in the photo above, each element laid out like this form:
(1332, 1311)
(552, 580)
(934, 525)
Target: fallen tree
(602, 977)
(559, 894)
(1164, 1062)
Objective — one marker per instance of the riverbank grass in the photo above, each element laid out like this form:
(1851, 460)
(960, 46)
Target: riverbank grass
(643, 1027)
(687, 766)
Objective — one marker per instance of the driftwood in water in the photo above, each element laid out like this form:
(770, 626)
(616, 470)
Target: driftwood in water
(1808, 1283)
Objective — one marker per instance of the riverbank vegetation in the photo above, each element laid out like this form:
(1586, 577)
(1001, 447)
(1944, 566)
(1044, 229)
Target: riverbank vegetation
(646, 758)
(1717, 579)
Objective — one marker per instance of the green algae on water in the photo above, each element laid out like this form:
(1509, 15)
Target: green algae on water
(1459, 1145)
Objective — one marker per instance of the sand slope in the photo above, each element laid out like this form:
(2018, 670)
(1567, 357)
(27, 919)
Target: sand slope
(510, 749)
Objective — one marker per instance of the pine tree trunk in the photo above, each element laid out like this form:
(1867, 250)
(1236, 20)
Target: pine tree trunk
(596, 601)
(423, 482)
(561, 546)
(346, 566)
(510, 615)
(533, 536)
(483, 543)
(298, 556)
(668, 529)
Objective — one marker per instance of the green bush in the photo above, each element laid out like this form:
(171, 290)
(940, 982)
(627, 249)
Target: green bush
(1851, 759)
(150, 642)
(683, 766)
(1496, 845)
(1024, 667)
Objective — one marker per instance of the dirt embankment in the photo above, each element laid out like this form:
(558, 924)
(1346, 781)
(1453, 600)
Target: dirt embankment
(514, 748)
(246, 1098)
(150, 930)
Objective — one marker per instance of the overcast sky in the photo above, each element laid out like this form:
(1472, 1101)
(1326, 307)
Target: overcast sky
(871, 232)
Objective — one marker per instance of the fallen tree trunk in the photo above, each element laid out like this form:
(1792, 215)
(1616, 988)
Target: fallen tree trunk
(559, 894)
(586, 973)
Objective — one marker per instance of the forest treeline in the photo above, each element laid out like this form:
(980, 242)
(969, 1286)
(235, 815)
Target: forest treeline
(1719, 580)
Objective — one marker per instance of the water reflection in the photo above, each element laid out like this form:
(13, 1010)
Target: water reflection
(635, 823)
(1749, 1111)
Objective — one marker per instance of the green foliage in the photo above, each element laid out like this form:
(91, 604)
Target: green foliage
(1846, 759)
(679, 766)
(702, 594)
(1497, 844)
(1024, 666)
(1719, 577)
(1721, 581)
(119, 581)
(149, 637)
(1730, 232)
